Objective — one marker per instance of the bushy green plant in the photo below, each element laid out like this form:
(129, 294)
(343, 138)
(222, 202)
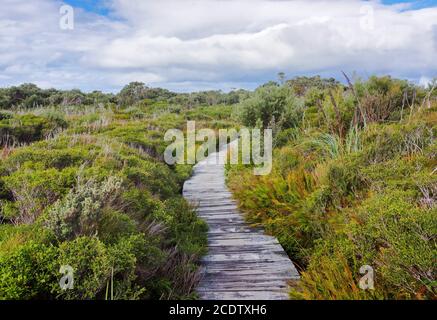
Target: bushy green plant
(28, 272)
(397, 236)
(28, 128)
(91, 265)
(80, 212)
(271, 103)
(33, 190)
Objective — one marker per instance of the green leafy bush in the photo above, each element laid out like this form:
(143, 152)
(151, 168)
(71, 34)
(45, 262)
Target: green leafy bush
(27, 128)
(80, 212)
(28, 272)
(91, 264)
(271, 104)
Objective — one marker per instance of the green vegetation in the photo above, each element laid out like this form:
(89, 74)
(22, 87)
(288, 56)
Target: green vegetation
(29, 96)
(353, 183)
(84, 184)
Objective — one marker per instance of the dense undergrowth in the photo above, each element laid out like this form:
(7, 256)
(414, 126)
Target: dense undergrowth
(86, 186)
(353, 184)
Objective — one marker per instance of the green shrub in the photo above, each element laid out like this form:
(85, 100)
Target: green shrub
(80, 212)
(188, 232)
(114, 225)
(28, 127)
(5, 115)
(398, 238)
(271, 103)
(91, 264)
(28, 272)
(383, 143)
(34, 190)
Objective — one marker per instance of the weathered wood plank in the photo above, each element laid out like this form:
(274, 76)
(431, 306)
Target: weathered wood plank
(242, 242)
(197, 197)
(204, 207)
(215, 204)
(280, 285)
(215, 211)
(276, 268)
(233, 229)
(249, 276)
(243, 235)
(243, 249)
(246, 256)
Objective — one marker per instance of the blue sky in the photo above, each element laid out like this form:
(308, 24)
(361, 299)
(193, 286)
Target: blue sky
(101, 6)
(414, 4)
(187, 45)
(98, 6)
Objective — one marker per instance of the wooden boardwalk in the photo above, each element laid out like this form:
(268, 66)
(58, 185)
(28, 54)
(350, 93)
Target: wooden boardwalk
(242, 262)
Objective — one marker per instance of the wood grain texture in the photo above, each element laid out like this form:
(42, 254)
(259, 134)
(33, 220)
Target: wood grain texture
(242, 262)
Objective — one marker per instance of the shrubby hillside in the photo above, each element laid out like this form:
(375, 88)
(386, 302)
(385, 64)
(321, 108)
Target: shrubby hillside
(83, 183)
(354, 183)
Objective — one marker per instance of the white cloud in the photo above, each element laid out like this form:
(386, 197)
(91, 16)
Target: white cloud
(425, 81)
(212, 43)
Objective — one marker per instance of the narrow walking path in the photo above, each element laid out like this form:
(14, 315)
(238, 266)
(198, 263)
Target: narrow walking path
(242, 262)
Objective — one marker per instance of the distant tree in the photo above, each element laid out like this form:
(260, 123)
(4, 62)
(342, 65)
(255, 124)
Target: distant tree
(97, 97)
(73, 97)
(271, 104)
(301, 85)
(281, 77)
(158, 94)
(135, 92)
(232, 97)
(33, 101)
(270, 84)
(4, 98)
(132, 93)
(18, 95)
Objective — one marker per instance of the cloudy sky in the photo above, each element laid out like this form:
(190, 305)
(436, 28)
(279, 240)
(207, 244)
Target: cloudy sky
(187, 45)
